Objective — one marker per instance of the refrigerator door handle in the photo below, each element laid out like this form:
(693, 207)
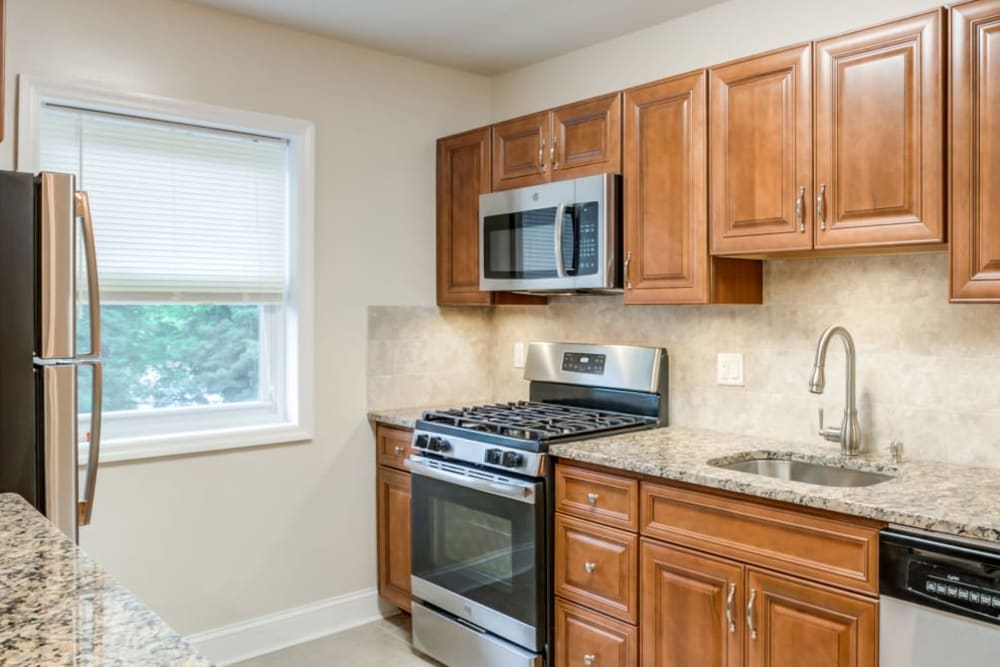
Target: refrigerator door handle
(86, 506)
(82, 210)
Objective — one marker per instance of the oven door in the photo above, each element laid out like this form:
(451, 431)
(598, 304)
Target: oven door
(478, 548)
(549, 237)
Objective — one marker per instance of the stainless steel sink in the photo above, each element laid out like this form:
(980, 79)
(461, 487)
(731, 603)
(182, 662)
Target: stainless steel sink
(809, 473)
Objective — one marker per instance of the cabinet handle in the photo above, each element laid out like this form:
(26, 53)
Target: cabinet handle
(552, 153)
(800, 210)
(541, 155)
(590, 567)
(592, 498)
(729, 608)
(628, 265)
(821, 206)
(750, 621)
(589, 659)
(399, 450)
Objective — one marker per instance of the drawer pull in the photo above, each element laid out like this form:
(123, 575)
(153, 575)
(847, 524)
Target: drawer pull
(750, 622)
(592, 498)
(589, 659)
(729, 608)
(590, 567)
(399, 450)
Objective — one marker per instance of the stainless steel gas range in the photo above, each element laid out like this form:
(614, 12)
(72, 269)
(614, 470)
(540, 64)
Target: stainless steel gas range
(482, 499)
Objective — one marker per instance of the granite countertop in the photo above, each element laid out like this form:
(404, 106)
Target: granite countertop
(403, 417)
(57, 607)
(942, 497)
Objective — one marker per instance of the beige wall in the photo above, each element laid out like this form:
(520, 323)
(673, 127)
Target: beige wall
(714, 35)
(210, 540)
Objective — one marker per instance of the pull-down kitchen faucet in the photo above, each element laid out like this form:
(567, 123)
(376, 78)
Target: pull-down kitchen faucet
(849, 432)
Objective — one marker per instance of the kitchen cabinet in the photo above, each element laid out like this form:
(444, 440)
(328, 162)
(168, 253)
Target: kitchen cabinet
(879, 103)
(760, 160)
(584, 637)
(392, 485)
(463, 173)
(666, 202)
(974, 195)
(575, 140)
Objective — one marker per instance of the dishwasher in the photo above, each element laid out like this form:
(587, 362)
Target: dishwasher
(939, 599)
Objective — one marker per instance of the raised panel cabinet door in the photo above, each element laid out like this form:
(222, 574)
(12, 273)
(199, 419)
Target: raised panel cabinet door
(393, 524)
(790, 622)
(584, 637)
(880, 127)
(760, 163)
(521, 152)
(975, 151)
(666, 201)
(692, 608)
(463, 173)
(587, 138)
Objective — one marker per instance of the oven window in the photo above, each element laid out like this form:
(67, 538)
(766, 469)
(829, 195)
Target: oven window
(480, 542)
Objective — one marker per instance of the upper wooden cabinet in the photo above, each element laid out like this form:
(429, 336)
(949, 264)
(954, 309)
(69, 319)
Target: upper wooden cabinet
(575, 140)
(666, 201)
(760, 166)
(975, 151)
(880, 135)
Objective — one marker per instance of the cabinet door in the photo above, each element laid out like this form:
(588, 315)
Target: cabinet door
(880, 135)
(587, 138)
(760, 166)
(975, 151)
(666, 201)
(520, 152)
(794, 623)
(463, 173)
(691, 609)
(584, 637)
(393, 509)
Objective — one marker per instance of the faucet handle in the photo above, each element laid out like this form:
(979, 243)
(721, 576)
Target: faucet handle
(832, 434)
(896, 451)
(821, 420)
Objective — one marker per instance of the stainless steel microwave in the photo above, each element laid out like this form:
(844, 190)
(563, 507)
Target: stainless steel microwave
(556, 237)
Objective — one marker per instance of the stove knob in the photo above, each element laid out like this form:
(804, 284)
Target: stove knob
(512, 459)
(421, 442)
(444, 446)
(434, 445)
(494, 457)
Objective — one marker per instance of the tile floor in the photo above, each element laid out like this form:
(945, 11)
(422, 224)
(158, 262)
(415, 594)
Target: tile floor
(384, 643)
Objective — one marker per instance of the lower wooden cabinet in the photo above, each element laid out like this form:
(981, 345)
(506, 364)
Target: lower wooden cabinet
(799, 623)
(690, 603)
(393, 508)
(584, 637)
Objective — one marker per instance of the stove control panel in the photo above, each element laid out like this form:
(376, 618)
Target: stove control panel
(584, 363)
(480, 453)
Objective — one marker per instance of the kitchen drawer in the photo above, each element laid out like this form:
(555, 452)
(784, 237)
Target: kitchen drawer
(597, 567)
(837, 551)
(393, 445)
(581, 633)
(607, 499)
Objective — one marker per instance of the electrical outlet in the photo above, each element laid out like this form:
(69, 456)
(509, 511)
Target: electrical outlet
(520, 354)
(730, 369)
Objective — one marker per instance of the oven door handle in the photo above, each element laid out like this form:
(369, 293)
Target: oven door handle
(522, 494)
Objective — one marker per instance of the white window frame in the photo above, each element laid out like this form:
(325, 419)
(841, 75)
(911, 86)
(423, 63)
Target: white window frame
(34, 93)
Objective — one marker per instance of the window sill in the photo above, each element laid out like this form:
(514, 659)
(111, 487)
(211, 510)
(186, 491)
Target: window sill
(177, 444)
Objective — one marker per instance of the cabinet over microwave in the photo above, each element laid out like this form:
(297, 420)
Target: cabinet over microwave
(556, 237)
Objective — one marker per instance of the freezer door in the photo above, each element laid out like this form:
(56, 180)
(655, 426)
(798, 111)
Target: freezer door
(68, 289)
(59, 432)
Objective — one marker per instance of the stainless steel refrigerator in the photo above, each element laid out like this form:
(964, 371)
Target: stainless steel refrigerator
(51, 375)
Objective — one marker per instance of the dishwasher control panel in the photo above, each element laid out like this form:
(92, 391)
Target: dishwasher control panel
(958, 576)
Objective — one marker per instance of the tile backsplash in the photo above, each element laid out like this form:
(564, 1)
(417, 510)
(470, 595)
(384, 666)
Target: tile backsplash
(925, 369)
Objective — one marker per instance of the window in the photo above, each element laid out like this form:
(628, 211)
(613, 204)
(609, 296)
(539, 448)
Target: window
(204, 294)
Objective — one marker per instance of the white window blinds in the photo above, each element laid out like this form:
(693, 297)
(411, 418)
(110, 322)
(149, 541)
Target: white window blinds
(180, 212)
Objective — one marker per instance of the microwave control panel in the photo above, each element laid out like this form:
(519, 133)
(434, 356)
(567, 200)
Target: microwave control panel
(589, 240)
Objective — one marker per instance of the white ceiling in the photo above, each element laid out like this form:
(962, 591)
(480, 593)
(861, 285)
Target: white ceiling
(483, 36)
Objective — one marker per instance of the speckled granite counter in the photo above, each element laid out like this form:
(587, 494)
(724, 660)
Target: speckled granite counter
(948, 498)
(403, 418)
(57, 607)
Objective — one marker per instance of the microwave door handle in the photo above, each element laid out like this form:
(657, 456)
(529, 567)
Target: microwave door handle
(82, 211)
(558, 231)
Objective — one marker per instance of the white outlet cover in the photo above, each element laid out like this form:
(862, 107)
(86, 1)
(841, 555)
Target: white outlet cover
(730, 369)
(520, 355)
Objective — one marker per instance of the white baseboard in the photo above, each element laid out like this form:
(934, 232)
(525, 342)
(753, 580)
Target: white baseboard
(273, 632)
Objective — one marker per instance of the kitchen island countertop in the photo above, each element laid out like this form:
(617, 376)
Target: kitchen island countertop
(58, 607)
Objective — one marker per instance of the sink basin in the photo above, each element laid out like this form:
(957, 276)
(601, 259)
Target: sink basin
(809, 473)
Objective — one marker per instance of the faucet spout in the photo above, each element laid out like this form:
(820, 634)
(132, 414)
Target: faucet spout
(849, 433)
